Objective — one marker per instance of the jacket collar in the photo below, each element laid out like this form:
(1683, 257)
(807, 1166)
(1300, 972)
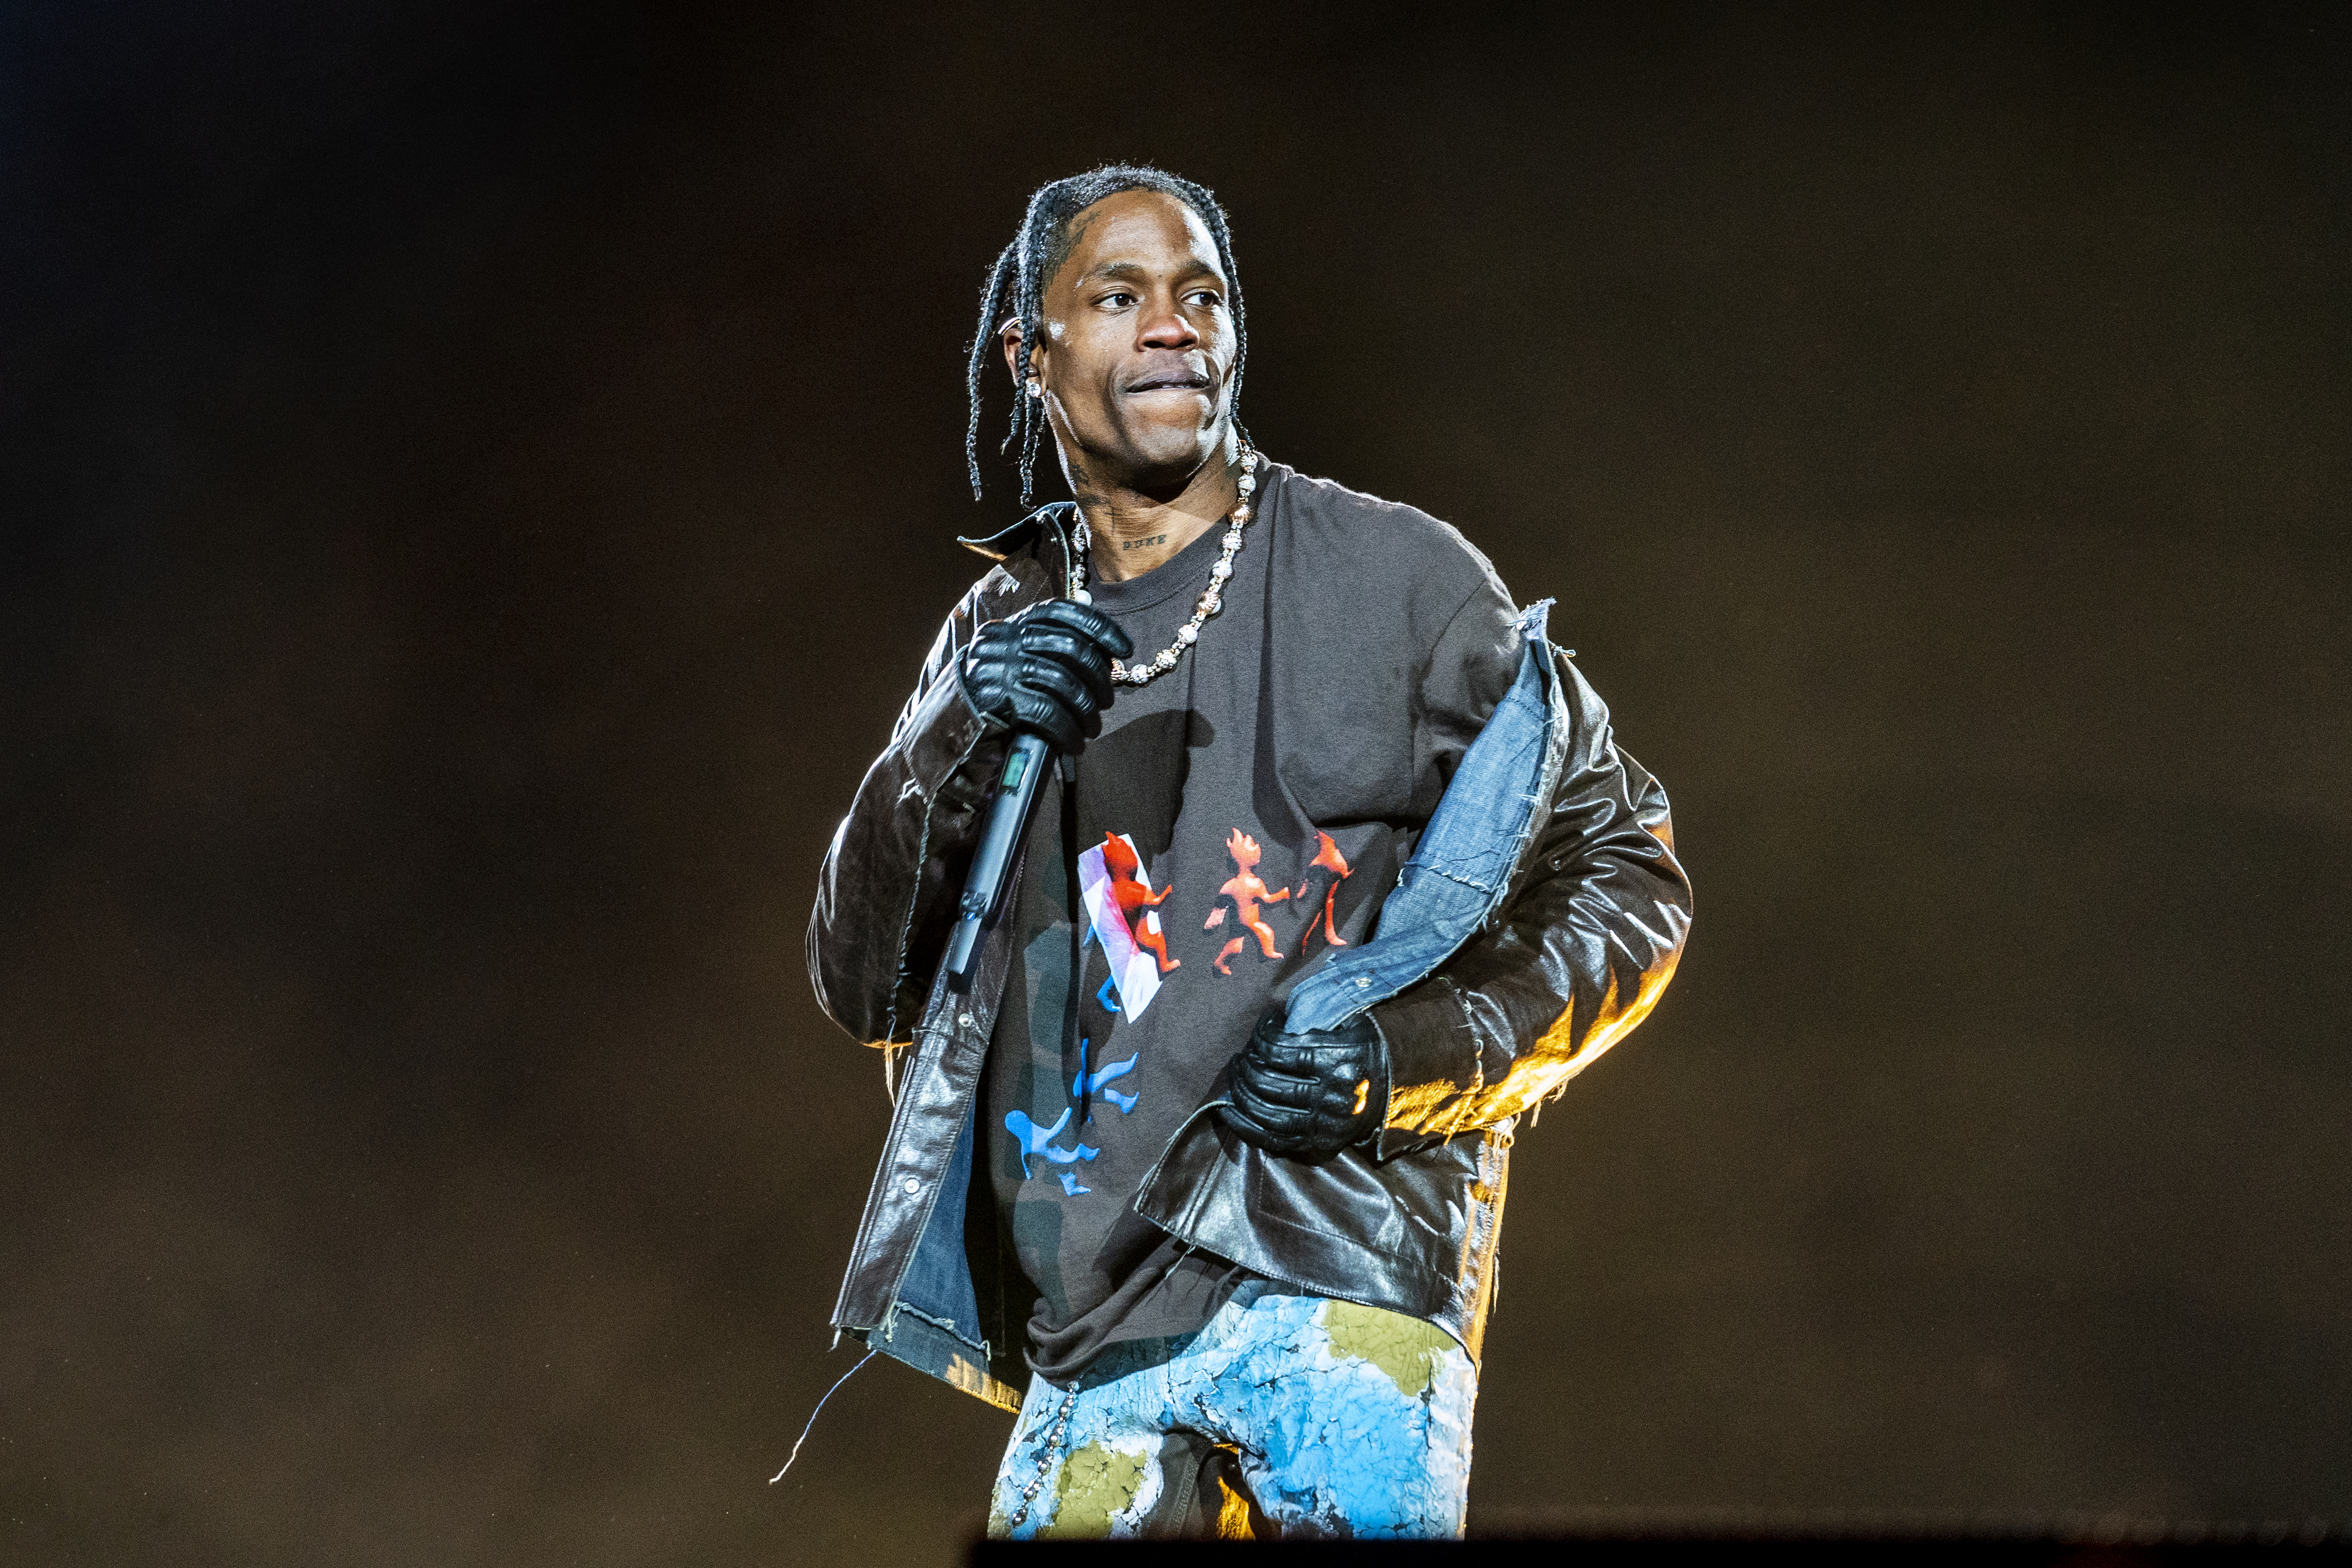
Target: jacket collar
(1055, 520)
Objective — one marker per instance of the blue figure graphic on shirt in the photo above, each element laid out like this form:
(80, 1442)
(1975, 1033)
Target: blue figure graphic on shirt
(1036, 1139)
(1087, 1083)
(1070, 1187)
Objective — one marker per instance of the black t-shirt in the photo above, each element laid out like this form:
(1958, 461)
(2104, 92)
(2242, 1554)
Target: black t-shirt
(1238, 817)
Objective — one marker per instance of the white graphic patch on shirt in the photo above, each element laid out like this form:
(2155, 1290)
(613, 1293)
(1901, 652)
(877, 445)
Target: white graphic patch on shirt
(1134, 971)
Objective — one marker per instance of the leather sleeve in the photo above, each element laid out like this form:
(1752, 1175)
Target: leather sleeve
(888, 892)
(1578, 955)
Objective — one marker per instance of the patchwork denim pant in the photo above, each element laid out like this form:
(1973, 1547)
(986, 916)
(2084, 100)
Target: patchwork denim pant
(1295, 1417)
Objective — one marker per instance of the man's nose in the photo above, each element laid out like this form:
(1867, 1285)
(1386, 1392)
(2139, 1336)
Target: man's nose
(1164, 327)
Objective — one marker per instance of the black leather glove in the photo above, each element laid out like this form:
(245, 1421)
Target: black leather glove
(1047, 670)
(1312, 1094)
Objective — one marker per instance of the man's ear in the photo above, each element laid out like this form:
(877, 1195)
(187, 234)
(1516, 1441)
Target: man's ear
(1009, 335)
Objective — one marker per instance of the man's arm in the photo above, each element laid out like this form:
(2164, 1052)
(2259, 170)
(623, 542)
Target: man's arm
(888, 883)
(1580, 955)
(887, 891)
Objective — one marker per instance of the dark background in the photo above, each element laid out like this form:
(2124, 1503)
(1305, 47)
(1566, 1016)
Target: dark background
(479, 478)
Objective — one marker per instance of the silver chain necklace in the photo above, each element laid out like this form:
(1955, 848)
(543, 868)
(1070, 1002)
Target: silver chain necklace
(1210, 602)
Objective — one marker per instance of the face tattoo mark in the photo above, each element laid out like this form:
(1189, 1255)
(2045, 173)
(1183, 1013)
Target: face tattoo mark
(1247, 890)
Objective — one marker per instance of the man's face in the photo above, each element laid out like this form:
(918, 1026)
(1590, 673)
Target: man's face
(1138, 340)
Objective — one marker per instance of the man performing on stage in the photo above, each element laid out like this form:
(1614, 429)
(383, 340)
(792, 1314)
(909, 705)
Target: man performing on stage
(1337, 873)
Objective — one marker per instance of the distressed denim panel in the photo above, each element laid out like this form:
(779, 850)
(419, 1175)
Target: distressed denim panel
(938, 1285)
(1461, 868)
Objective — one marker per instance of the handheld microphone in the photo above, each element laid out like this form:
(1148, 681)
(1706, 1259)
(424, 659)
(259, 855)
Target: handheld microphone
(1026, 762)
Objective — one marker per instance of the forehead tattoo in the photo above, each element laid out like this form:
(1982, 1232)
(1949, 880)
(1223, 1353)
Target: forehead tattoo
(1066, 239)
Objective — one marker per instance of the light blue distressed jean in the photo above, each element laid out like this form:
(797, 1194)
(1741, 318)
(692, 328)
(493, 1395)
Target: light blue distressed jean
(1300, 1414)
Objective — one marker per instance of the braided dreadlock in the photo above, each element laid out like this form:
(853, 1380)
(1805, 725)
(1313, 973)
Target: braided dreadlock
(1017, 287)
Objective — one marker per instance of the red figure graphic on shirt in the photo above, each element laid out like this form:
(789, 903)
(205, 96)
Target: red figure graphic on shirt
(1247, 889)
(1327, 857)
(1134, 898)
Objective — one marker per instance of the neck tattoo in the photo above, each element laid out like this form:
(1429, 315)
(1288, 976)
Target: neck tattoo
(1210, 602)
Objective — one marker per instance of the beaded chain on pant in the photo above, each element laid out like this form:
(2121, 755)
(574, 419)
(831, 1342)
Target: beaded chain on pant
(1330, 1419)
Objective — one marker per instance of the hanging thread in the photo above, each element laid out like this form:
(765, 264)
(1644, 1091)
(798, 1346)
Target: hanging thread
(829, 1393)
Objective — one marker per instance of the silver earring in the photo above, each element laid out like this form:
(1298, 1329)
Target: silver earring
(1036, 388)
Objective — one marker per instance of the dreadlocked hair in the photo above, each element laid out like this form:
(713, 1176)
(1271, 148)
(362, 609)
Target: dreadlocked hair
(1016, 291)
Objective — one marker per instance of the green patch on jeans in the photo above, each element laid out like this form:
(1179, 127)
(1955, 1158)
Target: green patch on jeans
(1096, 1484)
(1405, 1348)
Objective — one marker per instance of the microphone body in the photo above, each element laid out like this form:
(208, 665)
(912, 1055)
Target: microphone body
(1026, 762)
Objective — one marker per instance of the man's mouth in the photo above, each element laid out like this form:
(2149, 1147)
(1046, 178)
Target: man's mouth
(1174, 380)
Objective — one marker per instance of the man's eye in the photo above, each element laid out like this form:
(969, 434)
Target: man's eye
(1118, 299)
(1208, 297)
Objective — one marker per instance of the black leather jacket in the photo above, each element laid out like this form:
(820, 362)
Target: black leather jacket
(1538, 921)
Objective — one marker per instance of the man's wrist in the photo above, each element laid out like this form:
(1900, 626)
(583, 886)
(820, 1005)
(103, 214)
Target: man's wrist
(1432, 1049)
(952, 749)
(956, 673)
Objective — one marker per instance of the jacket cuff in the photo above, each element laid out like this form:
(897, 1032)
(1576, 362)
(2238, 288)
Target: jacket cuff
(945, 736)
(1435, 1060)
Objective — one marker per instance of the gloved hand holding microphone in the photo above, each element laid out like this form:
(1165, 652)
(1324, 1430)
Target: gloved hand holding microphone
(1046, 672)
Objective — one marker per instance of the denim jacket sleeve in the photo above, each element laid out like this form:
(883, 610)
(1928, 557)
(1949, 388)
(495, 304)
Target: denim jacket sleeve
(887, 889)
(1576, 956)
